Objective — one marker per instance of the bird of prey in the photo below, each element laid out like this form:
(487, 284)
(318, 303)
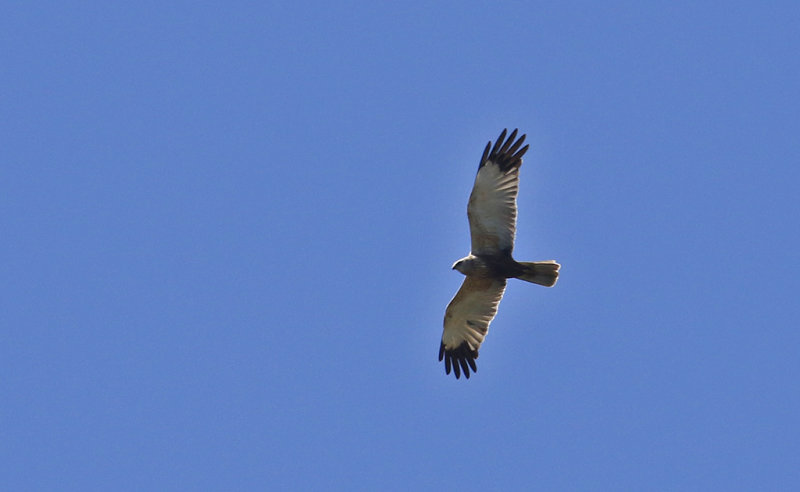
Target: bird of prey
(492, 213)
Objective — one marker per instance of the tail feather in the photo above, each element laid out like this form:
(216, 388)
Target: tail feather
(540, 272)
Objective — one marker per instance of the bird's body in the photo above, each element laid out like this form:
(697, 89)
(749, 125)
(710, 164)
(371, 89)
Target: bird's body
(492, 213)
(502, 266)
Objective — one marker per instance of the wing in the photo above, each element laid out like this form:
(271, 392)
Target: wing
(492, 208)
(466, 322)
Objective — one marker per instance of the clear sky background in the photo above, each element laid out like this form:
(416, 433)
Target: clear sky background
(227, 232)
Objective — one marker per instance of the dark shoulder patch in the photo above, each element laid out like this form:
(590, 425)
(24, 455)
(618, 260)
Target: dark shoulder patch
(506, 153)
(459, 359)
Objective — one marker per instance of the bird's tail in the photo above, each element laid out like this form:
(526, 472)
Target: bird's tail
(540, 272)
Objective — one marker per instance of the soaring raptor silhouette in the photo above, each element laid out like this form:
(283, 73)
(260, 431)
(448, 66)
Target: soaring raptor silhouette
(492, 212)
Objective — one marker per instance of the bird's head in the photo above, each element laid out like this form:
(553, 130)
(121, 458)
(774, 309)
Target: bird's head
(464, 265)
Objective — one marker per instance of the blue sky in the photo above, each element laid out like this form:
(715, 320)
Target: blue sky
(228, 232)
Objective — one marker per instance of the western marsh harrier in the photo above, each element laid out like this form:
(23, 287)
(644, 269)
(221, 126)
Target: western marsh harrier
(492, 213)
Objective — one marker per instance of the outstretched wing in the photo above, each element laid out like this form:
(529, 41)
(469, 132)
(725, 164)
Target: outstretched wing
(492, 208)
(466, 322)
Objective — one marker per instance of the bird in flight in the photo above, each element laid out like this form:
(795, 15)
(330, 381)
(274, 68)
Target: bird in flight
(492, 213)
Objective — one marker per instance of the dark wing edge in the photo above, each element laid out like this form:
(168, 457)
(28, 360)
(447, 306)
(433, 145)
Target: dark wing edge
(460, 358)
(505, 154)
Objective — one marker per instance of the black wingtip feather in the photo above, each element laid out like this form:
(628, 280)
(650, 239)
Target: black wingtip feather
(504, 152)
(507, 144)
(516, 145)
(521, 152)
(458, 360)
(464, 366)
(485, 153)
(499, 141)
